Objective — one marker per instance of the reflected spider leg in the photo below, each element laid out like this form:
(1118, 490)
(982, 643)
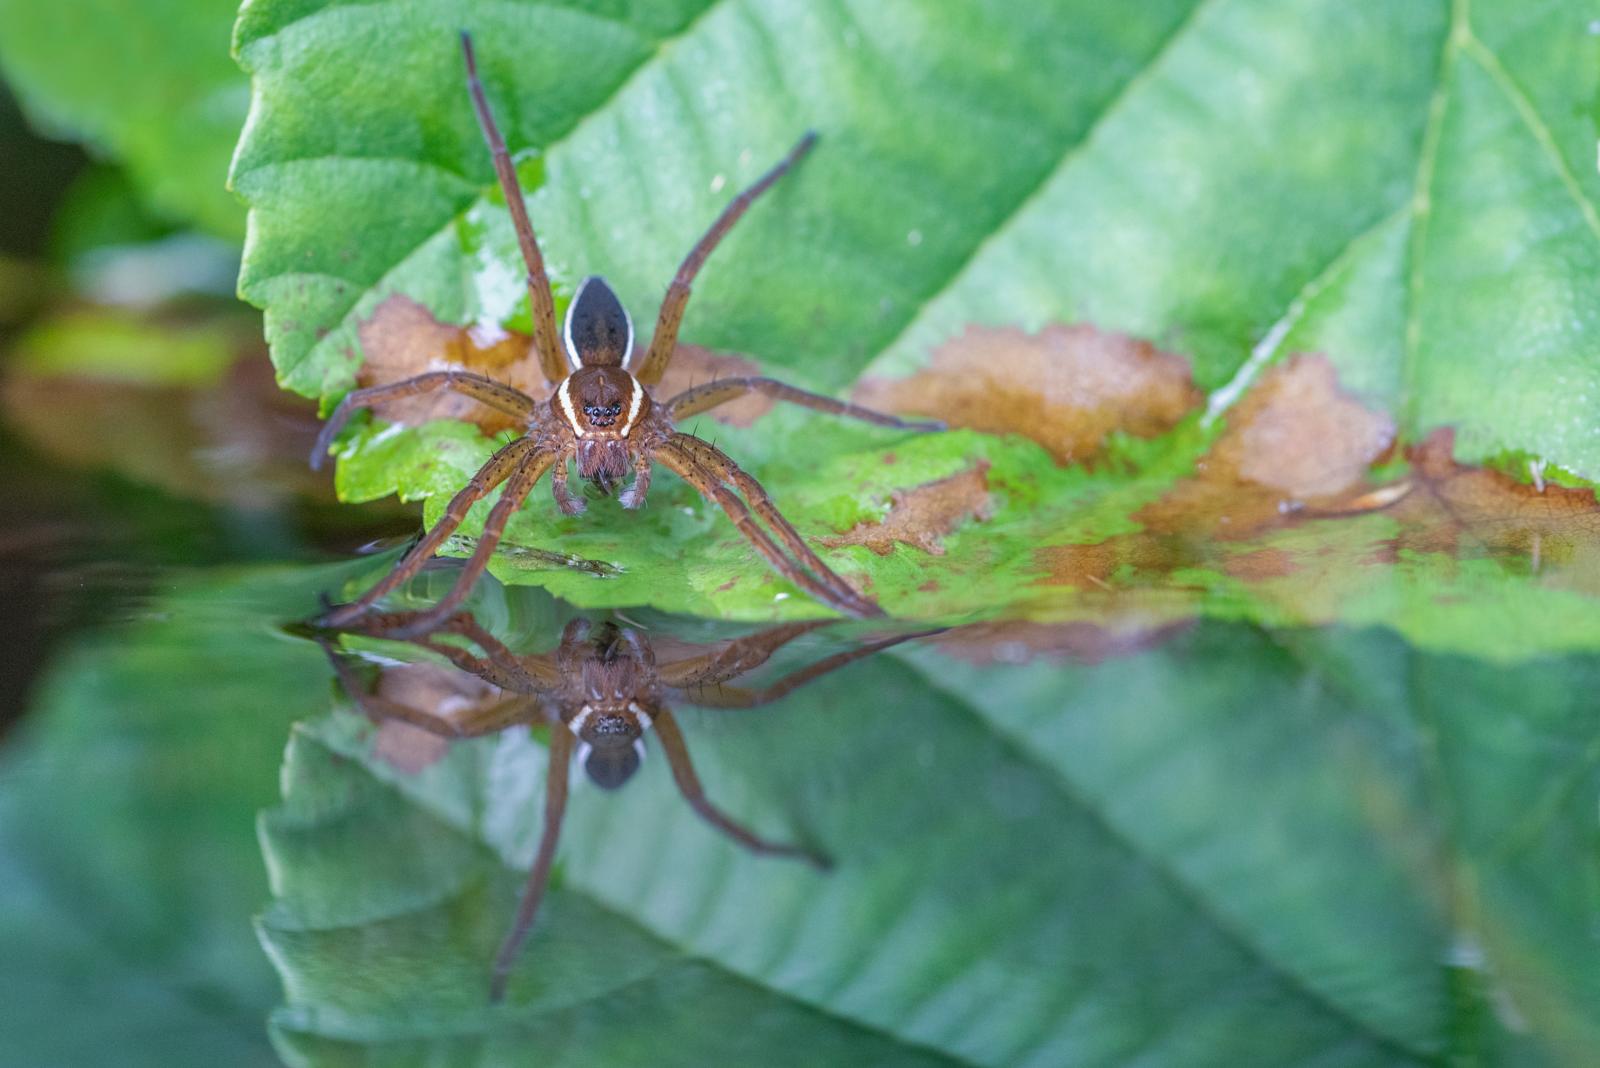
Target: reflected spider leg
(499, 468)
(535, 463)
(684, 463)
(540, 299)
(713, 460)
(555, 807)
(736, 657)
(497, 395)
(705, 397)
(472, 723)
(710, 693)
(672, 743)
(665, 340)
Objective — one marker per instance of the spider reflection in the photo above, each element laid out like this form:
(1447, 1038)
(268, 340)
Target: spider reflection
(600, 691)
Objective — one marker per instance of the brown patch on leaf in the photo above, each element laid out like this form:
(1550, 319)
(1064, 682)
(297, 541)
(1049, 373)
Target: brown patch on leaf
(1260, 564)
(1078, 642)
(695, 366)
(1297, 441)
(402, 339)
(1066, 387)
(408, 748)
(431, 688)
(921, 516)
(1475, 511)
(1295, 448)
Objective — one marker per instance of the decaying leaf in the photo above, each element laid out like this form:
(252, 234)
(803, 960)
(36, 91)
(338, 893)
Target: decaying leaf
(1066, 387)
(402, 339)
(694, 366)
(1297, 446)
(922, 516)
(1474, 511)
(1296, 440)
(433, 687)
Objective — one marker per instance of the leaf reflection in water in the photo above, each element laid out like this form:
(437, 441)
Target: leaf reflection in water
(599, 691)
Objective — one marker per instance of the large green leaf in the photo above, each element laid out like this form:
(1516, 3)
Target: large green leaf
(1417, 202)
(148, 83)
(1240, 848)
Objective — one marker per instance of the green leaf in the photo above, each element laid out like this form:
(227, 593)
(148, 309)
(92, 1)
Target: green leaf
(127, 853)
(1418, 203)
(149, 84)
(1240, 848)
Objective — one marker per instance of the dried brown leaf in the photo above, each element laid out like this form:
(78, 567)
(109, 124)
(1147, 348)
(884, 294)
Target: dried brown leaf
(1467, 511)
(1297, 440)
(1066, 387)
(695, 366)
(923, 515)
(402, 339)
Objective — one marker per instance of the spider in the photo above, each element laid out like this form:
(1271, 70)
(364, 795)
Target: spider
(599, 691)
(602, 414)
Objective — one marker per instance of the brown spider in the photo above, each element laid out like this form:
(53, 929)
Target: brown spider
(599, 691)
(602, 414)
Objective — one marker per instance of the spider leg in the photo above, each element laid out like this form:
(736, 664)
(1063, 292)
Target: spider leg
(725, 470)
(633, 496)
(483, 719)
(683, 773)
(552, 358)
(705, 397)
(736, 657)
(569, 502)
(518, 486)
(665, 340)
(838, 595)
(480, 388)
(712, 695)
(555, 806)
(498, 468)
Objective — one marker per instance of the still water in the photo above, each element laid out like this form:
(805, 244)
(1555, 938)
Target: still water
(228, 837)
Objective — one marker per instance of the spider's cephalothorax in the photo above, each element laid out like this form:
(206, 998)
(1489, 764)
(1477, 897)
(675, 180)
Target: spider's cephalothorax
(601, 415)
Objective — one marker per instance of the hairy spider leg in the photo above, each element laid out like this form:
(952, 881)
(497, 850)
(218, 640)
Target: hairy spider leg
(497, 395)
(672, 743)
(736, 657)
(499, 467)
(518, 486)
(722, 467)
(712, 694)
(552, 358)
(555, 807)
(665, 340)
(684, 464)
(472, 723)
(705, 397)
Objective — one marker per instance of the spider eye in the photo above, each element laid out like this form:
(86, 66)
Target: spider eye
(614, 409)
